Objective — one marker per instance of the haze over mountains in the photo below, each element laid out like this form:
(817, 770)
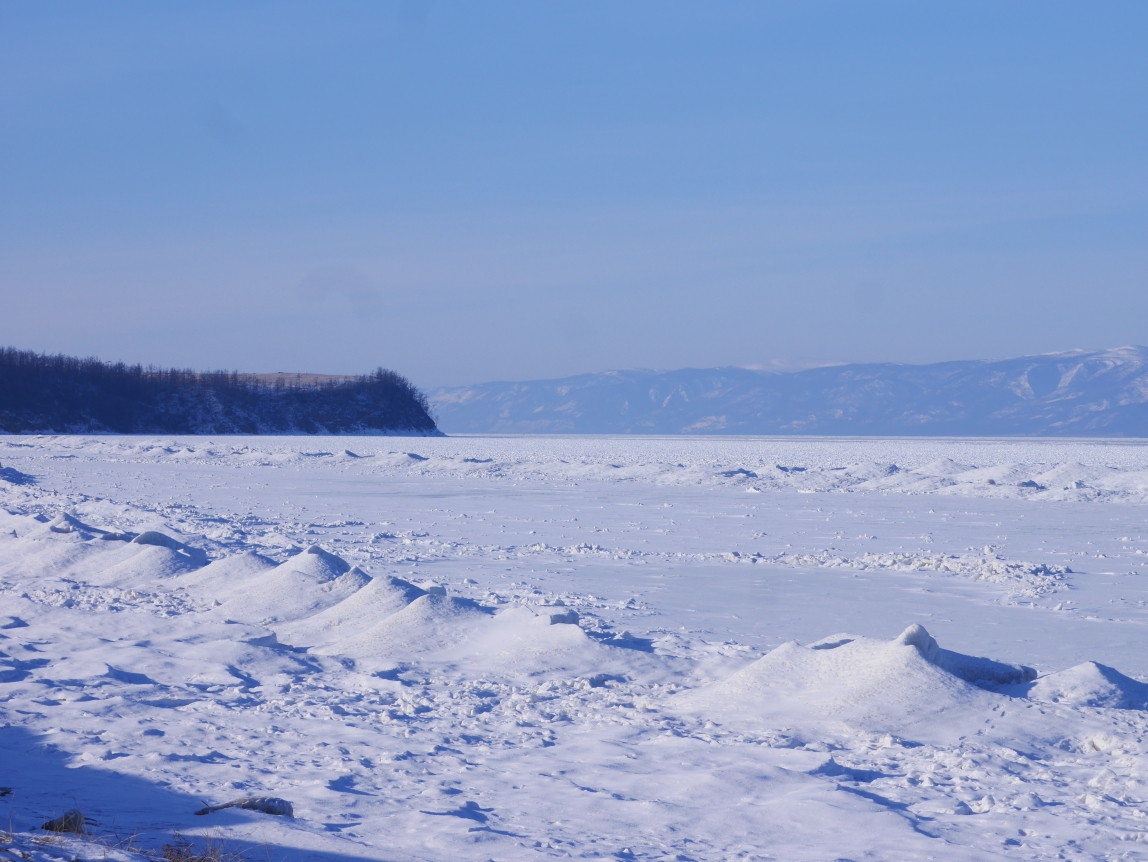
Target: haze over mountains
(1076, 393)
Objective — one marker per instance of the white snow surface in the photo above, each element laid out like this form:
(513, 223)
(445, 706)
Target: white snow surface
(621, 648)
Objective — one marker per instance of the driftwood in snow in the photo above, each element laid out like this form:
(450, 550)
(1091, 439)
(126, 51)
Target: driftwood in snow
(266, 804)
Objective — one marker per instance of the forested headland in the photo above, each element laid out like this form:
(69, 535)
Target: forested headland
(41, 393)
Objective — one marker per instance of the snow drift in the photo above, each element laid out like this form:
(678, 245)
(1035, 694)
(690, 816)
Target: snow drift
(881, 685)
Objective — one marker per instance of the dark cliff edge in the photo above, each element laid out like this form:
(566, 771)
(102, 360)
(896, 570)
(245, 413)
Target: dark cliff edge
(41, 394)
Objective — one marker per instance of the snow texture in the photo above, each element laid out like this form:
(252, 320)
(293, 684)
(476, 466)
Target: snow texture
(497, 648)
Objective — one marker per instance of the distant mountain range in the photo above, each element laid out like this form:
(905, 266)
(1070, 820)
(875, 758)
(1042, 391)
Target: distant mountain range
(1077, 393)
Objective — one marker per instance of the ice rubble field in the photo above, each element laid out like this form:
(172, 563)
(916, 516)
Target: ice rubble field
(629, 648)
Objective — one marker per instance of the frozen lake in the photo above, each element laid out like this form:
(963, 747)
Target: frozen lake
(521, 648)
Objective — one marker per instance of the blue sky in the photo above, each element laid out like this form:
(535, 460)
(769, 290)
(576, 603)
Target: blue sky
(479, 191)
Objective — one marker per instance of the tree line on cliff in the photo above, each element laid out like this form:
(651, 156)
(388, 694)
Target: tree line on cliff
(59, 394)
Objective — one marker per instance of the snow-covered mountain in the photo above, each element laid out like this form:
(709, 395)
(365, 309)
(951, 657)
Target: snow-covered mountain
(1076, 393)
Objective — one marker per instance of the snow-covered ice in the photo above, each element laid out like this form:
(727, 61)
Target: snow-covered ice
(626, 648)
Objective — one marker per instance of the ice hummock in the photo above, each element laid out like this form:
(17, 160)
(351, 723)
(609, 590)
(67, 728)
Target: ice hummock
(381, 598)
(1091, 684)
(867, 681)
(430, 622)
(306, 584)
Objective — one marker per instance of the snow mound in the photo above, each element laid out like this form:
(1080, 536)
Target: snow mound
(379, 599)
(317, 563)
(306, 584)
(519, 639)
(428, 623)
(149, 563)
(66, 546)
(863, 680)
(13, 525)
(516, 640)
(154, 537)
(1091, 684)
(222, 579)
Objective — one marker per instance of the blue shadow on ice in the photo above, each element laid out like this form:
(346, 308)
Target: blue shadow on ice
(15, 477)
(43, 785)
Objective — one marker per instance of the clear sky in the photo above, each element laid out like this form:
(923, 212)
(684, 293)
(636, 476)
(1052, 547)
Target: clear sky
(482, 190)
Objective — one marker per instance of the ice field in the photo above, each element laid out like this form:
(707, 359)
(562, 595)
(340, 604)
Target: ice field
(621, 648)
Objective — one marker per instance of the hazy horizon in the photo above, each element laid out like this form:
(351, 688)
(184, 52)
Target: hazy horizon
(513, 192)
(777, 366)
